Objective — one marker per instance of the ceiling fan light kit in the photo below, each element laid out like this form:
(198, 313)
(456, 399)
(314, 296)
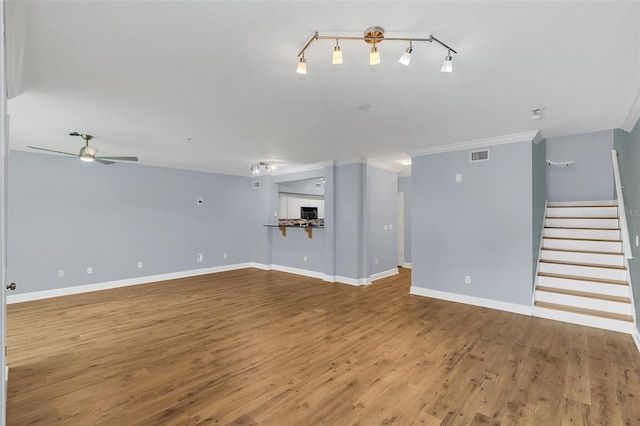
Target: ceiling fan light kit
(87, 153)
(375, 35)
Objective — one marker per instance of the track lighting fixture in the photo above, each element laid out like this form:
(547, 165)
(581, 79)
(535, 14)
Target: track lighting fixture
(302, 66)
(447, 65)
(263, 165)
(337, 55)
(374, 56)
(406, 56)
(374, 35)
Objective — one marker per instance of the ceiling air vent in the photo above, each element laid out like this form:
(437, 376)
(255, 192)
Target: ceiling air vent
(479, 155)
(256, 184)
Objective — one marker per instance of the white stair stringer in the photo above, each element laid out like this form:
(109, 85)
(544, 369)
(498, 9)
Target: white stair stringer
(582, 275)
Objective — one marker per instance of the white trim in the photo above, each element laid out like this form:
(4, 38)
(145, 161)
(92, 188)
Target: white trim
(299, 169)
(471, 300)
(622, 213)
(600, 203)
(636, 337)
(538, 138)
(633, 116)
(384, 166)
(406, 265)
(297, 271)
(347, 280)
(66, 291)
(383, 274)
(347, 161)
(535, 277)
(582, 319)
(480, 143)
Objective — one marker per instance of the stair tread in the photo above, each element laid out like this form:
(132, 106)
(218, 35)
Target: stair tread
(591, 265)
(581, 239)
(582, 217)
(582, 229)
(583, 311)
(564, 206)
(612, 253)
(589, 295)
(579, 278)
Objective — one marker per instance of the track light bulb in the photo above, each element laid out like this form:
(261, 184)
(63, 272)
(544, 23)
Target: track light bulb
(337, 56)
(406, 56)
(447, 65)
(302, 66)
(374, 56)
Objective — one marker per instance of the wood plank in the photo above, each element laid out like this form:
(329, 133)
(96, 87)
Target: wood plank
(266, 347)
(590, 265)
(613, 253)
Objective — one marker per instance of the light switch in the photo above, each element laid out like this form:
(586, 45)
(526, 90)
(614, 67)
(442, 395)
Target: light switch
(458, 177)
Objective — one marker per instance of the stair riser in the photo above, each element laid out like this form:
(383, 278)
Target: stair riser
(587, 286)
(590, 234)
(582, 245)
(582, 212)
(582, 223)
(584, 302)
(589, 321)
(600, 259)
(584, 271)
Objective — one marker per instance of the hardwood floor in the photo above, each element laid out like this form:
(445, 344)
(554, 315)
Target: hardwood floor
(263, 347)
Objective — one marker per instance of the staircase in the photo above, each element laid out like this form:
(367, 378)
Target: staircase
(582, 276)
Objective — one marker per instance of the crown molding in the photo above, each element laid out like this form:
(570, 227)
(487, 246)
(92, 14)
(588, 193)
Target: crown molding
(384, 166)
(479, 143)
(633, 116)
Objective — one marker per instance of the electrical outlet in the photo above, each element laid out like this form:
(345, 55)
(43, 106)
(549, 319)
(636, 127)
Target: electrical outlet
(467, 279)
(390, 227)
(458, 177)
(139, 264)
(199, 201)
(386, 227)
(199, 257)
(89, 270)
(305, 258)
(275, 214)
(376, 260)
(61, 273)
(224, 255)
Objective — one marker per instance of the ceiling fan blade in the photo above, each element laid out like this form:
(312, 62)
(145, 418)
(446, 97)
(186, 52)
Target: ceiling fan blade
(51, 150)
(119, 158)
(101, 161)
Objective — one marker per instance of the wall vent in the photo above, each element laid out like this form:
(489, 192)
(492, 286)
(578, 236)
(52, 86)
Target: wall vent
(318, 186)
(256, 184)
(479, 156)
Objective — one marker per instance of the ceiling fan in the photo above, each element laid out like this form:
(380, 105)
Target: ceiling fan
(88, 153)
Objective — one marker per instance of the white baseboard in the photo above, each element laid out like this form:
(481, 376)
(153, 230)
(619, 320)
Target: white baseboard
(406, 265)
(472, 300)
(297, 271)
(636, 337)
(66, 291)
(383, 274)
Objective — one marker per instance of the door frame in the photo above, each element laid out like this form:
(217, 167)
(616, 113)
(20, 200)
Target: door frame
(400, 228)
(3, 219)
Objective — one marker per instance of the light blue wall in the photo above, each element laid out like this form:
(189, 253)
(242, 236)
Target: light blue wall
(480, 227)
(590, 178)
(69, 215)
(291, 249)
(382, 205)
(404, 186)
(628, 147)
(348, 211)
(539, 197)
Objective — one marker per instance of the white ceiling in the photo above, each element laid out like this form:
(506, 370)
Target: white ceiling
(212, 85)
